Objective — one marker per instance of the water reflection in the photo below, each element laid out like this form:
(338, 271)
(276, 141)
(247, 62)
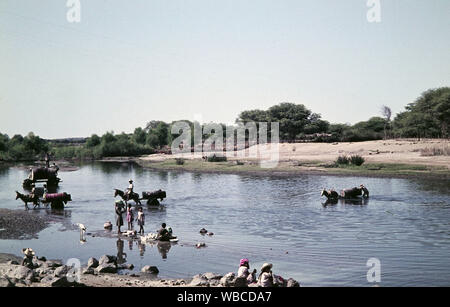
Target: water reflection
(141, 248)
(163, 248)
(121, 256)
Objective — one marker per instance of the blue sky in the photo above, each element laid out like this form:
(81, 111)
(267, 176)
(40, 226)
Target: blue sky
(129, 62)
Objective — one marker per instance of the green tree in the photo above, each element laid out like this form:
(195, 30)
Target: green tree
(93, 141)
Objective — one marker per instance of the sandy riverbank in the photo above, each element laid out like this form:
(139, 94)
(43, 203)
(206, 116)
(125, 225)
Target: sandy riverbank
(396, 158)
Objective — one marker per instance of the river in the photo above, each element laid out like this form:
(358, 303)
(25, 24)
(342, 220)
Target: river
(405, 224)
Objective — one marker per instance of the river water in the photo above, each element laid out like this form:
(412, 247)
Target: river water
(405, 224)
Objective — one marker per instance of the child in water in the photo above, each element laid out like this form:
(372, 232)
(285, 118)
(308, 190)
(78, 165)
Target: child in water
(130, 217)
(141, 220)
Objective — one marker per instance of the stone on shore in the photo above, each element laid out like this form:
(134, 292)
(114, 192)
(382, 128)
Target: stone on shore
(150, 269)
(107, 259)
(61, 271)
(5, 282)
(92, 263)
(199, 281)
(228, 280)
(240, 282)
(106, 268)
(21, 273)
(292, 283)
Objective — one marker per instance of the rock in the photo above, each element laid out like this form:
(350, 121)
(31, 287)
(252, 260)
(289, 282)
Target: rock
(13, 262)
(212, 276)
(37, 263)
(53, 263)
(240, 282)
(64, 282)
(106, 268)
(61, 271)
(47, 280)
(150, 269)
(88, 270)
(107, 259)
(5, 282)
(199, 281)
(43, 271)
(21, 273)
(42, 258)
(125, 266)
(228, 280)
(292, 283)
(92, 263)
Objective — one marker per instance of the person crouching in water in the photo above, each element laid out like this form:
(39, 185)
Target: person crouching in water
(141, 220)
(163, 233)
(244, 272)
(130, 217)
(265, 278)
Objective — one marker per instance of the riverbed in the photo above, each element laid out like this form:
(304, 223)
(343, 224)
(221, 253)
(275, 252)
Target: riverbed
(283, 220)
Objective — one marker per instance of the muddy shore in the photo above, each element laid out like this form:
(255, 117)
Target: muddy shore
(21, 224)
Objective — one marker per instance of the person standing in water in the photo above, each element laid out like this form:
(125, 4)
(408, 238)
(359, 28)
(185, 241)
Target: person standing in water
(119, 209)
(130, 217)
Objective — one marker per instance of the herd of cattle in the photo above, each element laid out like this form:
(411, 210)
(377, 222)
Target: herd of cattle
(47, 194)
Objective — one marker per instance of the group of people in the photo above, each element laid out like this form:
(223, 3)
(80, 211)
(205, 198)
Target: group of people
(265, 277)
(164, 234)
(120, 210)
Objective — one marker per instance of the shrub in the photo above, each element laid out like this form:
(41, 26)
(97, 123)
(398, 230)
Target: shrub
(342, 160)
(179, 161)
(357, 160)
(215, 158)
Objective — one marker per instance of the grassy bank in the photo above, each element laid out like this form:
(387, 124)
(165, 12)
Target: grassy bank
(299, 167)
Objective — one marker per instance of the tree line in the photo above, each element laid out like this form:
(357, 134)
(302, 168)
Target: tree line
(427, 117)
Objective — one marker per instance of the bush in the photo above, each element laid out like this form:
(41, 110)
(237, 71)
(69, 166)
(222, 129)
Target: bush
(357, 160)
(179, 161)
(215, 158)
(354, 160)
(342, 160)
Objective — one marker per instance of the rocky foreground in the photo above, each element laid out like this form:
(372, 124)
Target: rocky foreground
(106, 272)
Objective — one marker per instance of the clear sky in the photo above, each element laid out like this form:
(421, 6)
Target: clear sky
(129, 62)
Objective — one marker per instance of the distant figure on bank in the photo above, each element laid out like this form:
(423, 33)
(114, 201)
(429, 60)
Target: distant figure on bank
(119, 208)
(265, 278)
(130, 217)
(243, 271)
(47, 160)
(141, 220)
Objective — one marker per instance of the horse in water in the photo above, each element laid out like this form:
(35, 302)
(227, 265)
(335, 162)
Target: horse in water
(30, 198)
(126, 197)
